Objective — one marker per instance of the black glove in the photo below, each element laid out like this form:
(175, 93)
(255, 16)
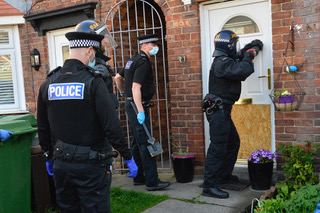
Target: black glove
(253, 51)
(257, 43)
(253, 43)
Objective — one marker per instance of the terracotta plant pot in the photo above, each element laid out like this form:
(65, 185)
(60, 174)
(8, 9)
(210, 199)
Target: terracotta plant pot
(183, 167)
(260, 175)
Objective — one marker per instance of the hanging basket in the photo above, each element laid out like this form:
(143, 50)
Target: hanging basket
(287, 102)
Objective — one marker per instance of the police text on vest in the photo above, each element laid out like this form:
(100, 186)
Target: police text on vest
(62, 91)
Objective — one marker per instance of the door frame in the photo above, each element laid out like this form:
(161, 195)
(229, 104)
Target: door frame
(52, 48)
(208, 57)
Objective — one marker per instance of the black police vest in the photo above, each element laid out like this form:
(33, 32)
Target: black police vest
(223, 88)
(85, 75)
(68, 116)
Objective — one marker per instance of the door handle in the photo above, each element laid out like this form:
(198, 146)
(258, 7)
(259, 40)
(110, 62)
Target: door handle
(267, 76)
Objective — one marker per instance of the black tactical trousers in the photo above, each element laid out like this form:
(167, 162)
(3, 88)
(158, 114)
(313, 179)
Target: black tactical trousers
(82, 187)
(224, 146)
(147, 165)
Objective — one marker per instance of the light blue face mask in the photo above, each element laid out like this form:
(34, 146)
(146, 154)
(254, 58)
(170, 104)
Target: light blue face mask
(154, 51)
(92, 64)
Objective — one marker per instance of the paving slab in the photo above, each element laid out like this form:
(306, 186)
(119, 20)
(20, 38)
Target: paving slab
(187, 197)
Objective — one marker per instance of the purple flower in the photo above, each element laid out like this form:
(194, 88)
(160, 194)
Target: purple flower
(262, 156)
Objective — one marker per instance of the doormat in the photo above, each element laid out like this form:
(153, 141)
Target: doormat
(238, 186)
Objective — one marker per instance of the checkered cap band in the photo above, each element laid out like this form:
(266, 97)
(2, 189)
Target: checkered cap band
(148, 40)
(222, 40)
(84, 43)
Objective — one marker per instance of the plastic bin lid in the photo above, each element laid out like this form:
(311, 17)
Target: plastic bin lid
(17, 127)
(27, 117)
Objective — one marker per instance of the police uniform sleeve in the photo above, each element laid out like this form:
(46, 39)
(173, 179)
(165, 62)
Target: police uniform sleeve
(108, 118)
(141, 72)
(121, 72)
(226, 67)
(44, 131)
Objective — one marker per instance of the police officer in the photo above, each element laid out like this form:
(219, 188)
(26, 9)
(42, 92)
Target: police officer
(75, 114)
(104, 70)
(136, 82)
(230, 66)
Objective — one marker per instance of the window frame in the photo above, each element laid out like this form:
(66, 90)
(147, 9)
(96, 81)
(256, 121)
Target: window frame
(13, 49)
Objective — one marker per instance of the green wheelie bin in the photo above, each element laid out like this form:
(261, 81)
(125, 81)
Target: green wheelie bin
(15, 163)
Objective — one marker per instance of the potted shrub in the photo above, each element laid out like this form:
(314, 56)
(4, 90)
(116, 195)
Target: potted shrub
(300, 191)
(183, 164)
(260, 168)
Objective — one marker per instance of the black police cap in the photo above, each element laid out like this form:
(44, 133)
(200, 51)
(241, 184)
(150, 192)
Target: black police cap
(149, 38)
(82, 39)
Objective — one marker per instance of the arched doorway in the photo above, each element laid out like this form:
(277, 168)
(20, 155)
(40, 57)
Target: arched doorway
(127, 20)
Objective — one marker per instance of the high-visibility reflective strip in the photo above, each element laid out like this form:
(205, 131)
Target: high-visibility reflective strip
(63, 91)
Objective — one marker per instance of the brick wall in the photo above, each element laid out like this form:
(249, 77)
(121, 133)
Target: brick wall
(296, 127)
(185, 79)
(185, 90)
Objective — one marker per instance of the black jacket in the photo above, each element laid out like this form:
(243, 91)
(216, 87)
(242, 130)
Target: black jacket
(226, 74)
(75, 107)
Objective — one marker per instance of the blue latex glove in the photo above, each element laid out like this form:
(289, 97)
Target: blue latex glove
(121, 94)
(4, 134)
(133, 168)
(49, 165)
(141, 117)
(318, 209)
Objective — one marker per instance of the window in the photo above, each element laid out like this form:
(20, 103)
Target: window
(241, 25)
(12, 98)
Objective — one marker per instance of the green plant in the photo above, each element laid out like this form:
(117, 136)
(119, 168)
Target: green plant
(284, 92)
(298, 165)
(180, 150)
(270, 205)
(305, 200)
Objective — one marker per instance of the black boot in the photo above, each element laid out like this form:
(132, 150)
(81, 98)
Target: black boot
(214, 192)
(160, 185)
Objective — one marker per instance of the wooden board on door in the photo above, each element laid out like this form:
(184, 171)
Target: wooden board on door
(254, 127)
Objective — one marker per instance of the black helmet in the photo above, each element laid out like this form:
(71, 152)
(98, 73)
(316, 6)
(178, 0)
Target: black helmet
(225, 42)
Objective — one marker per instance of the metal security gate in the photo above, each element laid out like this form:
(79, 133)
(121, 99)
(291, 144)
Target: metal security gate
(126, 21)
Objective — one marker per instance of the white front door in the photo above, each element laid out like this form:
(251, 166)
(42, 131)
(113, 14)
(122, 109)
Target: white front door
(58, 47)
(250, 19)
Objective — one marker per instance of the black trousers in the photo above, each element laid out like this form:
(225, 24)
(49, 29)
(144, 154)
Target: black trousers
(147, 165)
(224, 147)
(82, 187)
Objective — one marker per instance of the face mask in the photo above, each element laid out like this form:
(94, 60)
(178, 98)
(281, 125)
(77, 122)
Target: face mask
(154, 50)
(92, 64)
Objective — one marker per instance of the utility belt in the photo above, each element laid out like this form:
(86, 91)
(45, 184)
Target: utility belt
(210, 104)
(147, 104)
(73, 153)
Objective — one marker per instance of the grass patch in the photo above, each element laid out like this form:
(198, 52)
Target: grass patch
(129, 201)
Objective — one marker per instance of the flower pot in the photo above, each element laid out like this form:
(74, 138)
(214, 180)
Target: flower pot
(260, 175)
(183, 167)
(286, 99)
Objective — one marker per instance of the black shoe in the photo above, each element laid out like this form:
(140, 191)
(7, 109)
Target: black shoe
(158, 186)
(214, 192)
(139, 183)
(228, 180)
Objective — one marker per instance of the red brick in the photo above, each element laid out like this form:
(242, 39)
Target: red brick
(281, 15)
